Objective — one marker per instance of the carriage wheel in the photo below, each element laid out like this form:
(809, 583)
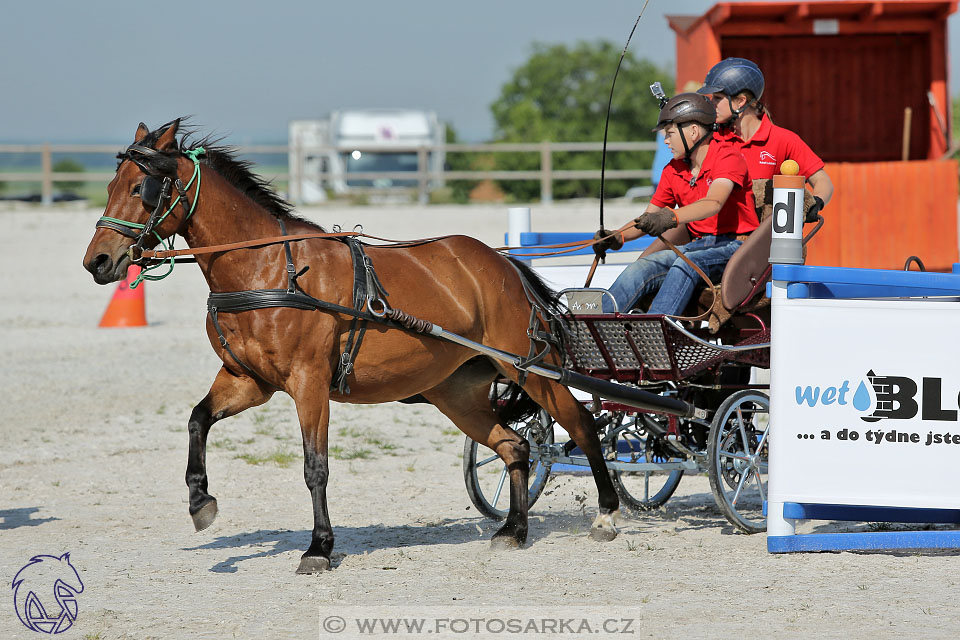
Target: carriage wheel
(641, 490)
(486, 476)
(737, 451)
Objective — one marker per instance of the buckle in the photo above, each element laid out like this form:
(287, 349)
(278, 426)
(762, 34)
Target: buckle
(135, 253)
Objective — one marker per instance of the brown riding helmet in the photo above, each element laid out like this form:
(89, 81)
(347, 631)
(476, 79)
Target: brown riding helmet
(687, 107)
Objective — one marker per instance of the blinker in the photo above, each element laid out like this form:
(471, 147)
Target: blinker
(150, 190)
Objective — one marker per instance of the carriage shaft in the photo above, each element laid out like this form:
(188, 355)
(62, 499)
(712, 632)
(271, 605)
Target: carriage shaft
(630, 396)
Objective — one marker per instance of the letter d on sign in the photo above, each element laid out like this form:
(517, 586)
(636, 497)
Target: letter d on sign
(786, 246)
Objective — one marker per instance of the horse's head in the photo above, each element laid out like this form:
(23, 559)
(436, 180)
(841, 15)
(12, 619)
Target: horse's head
(137, 216)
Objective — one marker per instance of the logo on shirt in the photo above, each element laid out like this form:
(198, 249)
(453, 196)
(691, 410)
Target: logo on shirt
(767, 158)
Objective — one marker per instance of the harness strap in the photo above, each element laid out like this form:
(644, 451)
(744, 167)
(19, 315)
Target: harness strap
(184, 199)
(122, 229)
(292, 274)
(535, 336)
(223, 340)
(366, 289)
(350, 351)
(239, 301)
(152, 220)
(359, 277)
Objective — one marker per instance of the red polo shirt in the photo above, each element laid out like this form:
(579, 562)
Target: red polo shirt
(723, 160)
(770, 146)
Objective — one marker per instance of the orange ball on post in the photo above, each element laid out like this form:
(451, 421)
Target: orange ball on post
(789, 168)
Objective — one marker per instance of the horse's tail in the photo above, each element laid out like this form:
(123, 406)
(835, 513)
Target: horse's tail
(549, 301)
(547, 298)
(511, 403)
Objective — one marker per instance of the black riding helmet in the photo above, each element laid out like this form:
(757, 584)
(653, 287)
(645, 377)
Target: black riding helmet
(732, 77)
(684, 108)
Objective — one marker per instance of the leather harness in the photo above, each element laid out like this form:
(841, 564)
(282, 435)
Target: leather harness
(367, 291)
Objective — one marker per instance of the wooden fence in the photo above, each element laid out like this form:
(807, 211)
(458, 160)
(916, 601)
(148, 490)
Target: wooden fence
(545, 174)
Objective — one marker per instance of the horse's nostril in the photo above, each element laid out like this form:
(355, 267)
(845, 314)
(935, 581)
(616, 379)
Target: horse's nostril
(101, 263)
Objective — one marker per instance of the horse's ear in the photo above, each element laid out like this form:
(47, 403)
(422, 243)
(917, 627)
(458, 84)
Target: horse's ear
(65, 556)
(168, 139)
(142, 132)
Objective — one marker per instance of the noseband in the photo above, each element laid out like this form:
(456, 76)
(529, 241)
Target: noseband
(155, 192)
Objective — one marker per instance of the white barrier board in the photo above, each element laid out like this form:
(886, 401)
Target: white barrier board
(864, 402)
(573, 276)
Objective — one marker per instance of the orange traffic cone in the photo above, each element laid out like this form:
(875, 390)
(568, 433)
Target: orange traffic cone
(127, 308)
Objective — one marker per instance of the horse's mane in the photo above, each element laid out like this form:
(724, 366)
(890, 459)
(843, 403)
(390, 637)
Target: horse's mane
(222, 159)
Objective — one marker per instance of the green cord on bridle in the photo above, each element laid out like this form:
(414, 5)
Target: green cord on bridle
(165, 243)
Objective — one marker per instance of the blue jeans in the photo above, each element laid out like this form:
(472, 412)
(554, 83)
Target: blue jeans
(674, 277)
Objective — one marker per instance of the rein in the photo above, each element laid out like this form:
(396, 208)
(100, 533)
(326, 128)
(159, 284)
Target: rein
(165, 254)
(261, 242)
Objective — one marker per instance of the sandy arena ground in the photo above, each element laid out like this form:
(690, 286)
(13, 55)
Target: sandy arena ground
(93, 427)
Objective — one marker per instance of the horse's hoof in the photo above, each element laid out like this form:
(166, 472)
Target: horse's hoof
(604, 528)
(313, 564)
(205, 516)
(505, 543)
(602, 535)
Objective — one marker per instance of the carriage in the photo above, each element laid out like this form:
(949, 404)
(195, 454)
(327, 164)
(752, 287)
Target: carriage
(716, 363)
(326, 318)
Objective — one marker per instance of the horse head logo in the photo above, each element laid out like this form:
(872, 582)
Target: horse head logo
(53, 579)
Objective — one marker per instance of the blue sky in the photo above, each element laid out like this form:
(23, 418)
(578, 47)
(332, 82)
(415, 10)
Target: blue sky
(90, 71)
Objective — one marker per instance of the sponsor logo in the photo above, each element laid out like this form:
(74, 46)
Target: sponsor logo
(883, 397)
(45, 593)
(767, 158)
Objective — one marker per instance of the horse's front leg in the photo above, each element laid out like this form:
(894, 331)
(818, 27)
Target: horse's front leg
(229, 395)
(313, 410)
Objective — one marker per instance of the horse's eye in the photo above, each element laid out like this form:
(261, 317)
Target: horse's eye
(136, 190)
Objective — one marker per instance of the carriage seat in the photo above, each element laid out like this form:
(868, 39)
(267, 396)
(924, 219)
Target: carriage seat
(747, 268)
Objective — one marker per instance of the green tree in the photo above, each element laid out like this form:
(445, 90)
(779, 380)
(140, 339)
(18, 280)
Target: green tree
(560, 94)
(461, 161)
(68, 165)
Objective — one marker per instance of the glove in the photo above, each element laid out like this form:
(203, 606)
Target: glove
(611, 241)
(815, 208)
(655, 223)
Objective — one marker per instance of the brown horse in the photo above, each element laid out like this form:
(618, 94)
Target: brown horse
(457, 281)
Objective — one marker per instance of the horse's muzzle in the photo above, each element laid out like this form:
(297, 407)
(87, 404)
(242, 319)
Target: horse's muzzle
(105, 270)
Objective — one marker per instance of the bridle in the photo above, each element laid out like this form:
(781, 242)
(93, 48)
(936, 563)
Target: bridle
(155, 192)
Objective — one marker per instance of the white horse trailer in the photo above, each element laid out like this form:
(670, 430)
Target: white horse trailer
(365, 150)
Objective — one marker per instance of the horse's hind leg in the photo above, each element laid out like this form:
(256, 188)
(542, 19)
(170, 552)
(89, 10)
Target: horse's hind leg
(313, 409)
(579, 423)
(464, 399)
(229, 395)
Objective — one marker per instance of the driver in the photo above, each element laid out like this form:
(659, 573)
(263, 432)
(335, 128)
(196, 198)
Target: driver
(708, 182)
(735, 86)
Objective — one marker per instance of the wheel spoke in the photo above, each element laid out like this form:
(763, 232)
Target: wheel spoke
(763, 496)
(735, 456)
(743, 431)
(496, 494)
(736, 494)
(763, 439)
(487, 460)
